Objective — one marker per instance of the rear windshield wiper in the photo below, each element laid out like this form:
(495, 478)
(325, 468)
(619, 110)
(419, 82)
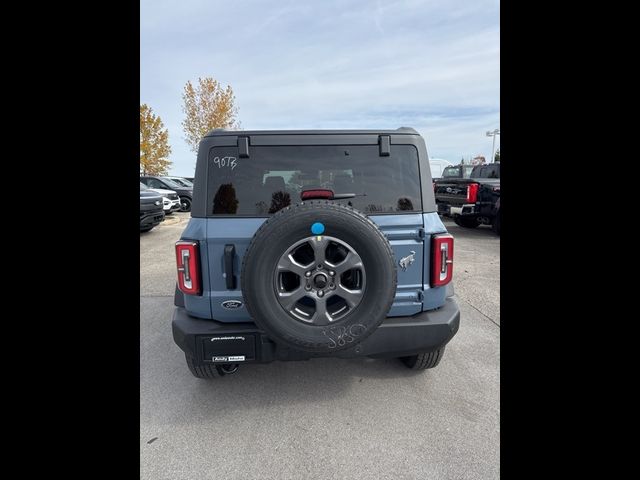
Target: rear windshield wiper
(340, 196)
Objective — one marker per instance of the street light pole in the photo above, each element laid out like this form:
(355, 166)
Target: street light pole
(493, 148)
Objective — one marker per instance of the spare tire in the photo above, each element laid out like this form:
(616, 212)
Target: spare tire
(318, 277)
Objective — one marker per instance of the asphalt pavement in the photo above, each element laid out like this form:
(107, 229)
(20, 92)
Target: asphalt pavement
(324, 418)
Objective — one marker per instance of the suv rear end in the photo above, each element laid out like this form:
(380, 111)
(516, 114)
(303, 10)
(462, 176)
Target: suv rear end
(375, 194)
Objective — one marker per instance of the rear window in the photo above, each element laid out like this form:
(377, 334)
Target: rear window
(451, 172)
(273, 178)
(487, 171)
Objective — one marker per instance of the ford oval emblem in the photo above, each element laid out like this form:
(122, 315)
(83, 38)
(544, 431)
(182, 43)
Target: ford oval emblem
(232, 304)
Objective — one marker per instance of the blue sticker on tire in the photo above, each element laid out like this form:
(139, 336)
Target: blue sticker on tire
(317, 228)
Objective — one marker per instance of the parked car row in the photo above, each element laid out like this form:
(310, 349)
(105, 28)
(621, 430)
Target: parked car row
(170, 199)
(185, 182)
(160, 196)
(182, 187)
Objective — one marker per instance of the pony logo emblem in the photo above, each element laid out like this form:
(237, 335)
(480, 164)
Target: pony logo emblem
(405, 262)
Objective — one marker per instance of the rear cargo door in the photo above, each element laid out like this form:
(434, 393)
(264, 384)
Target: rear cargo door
(406, 235)
(250, 182)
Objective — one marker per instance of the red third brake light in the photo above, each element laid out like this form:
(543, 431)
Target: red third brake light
(317, 193)
(188, 263)
(472, 193)
(441, 260)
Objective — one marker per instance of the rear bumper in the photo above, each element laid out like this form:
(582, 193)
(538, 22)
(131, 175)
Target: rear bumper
(396, 337)
(466, 209)
(151, 219)
(462, 210)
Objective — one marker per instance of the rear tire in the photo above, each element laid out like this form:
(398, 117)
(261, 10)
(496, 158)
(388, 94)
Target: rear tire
(466, 222)
(204, 371)
(423, 361)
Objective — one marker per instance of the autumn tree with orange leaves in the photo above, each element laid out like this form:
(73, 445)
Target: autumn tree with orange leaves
(207, 106)
(154, 143)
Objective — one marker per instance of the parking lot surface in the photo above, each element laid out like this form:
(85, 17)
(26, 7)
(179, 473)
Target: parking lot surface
(324, 418)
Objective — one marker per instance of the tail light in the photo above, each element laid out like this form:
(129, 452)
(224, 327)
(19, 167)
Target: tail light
(472, 193)
(442, 260)
(187, 260)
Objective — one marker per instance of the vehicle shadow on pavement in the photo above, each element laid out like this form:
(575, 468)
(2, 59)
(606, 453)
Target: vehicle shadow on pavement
(319, 381)
(329, 375)
(169, 391)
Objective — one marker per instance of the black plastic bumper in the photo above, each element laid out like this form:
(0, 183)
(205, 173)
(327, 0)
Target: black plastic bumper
(151, 219)
(466, 210)
(210, 341)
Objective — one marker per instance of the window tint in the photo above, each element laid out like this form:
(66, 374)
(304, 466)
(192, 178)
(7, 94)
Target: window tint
(467, 170)
(183, 182)
(170, 184)
(488, 171)
(155, 183)
(451, 172)
(273, 177)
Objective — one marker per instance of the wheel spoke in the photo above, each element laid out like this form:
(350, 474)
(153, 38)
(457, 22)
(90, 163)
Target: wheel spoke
(351, 261)
(288, 264)
(289, 299)
(352, 297)
(319, 245)
(321, 316)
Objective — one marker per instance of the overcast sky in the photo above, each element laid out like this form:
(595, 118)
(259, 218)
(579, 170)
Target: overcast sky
(429, 64)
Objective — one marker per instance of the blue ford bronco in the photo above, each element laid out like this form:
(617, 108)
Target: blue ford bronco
(314, 243)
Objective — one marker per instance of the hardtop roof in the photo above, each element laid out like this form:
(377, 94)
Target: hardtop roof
(398, 131)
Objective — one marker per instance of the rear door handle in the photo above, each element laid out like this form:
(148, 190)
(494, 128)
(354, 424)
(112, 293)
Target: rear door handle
(229, 254)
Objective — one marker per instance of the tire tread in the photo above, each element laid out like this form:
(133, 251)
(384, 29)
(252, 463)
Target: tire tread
(423, 361)
(202, 371)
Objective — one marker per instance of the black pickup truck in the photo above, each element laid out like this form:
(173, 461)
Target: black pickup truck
(471, 201)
